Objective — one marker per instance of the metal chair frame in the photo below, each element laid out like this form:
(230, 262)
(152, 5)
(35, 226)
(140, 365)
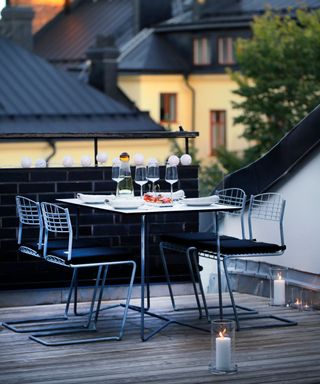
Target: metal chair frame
(57, 220)
(265, 206)
(228, 196)
(29, 214)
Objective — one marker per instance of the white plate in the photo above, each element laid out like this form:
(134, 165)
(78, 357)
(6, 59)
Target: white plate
(201, 201)
(93, 199)
(126, 203)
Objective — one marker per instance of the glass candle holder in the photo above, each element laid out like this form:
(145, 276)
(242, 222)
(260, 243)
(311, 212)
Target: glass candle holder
(306, 300)
(278, 286)
(296, 298)
(222, 347)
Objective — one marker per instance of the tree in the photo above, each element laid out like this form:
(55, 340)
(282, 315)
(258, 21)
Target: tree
(279, 77)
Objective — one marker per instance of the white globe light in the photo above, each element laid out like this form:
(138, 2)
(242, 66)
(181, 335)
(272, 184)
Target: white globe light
(67, 161)
(41, 163)
(86, 161)
(173, 160)
(26, 162)
(102, 157)
(138, 159)
(186, 159)
(116, 160)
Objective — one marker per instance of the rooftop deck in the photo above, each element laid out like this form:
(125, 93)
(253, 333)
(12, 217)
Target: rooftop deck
(176, 355)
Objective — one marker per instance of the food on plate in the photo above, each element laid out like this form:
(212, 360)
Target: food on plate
(158, 198)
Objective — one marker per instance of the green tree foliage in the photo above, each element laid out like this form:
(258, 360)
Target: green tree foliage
(278, 81)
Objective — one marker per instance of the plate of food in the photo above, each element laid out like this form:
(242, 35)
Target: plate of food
(157, 200)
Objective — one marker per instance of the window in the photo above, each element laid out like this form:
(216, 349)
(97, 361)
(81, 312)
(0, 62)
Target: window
(168, 107)
(201, 51)
(226, 53)
(218, 130)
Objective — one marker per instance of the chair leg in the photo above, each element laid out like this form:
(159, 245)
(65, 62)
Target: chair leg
(192, 258)
(231, 293)
(93, 314)
(166, 271)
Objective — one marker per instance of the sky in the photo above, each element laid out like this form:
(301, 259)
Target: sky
(2, 4)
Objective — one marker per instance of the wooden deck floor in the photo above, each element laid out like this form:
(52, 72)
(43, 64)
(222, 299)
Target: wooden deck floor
(177, 355)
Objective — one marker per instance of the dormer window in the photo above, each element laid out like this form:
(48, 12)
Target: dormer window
(226, 50)
(201, 51)
(168, 107)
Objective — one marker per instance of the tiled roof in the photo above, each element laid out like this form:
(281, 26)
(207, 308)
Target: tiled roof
(68, 36)
(35, 96)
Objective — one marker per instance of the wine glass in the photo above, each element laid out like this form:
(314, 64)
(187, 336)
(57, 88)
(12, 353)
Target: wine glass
(153, 173)
(117, 175)
(140, 177)
(171, 176)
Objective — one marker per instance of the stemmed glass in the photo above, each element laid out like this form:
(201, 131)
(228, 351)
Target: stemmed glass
(171, 176)
(140, 177)
(153, 173)
(117, 175)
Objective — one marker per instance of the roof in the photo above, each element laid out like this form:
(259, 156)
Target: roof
(237, 7)
(68, 36)
(37, 97)
(276, 164)
(231, 11)
(163, 49)
(153, 54)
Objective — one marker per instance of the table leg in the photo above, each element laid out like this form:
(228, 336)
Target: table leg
(219, 267)
(142, 272)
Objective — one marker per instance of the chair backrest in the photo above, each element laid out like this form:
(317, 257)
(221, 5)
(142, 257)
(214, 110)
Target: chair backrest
(56, 220)
(29, 213)
(267, 206)
(236, 197)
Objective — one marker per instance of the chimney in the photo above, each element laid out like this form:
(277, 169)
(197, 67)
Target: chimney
(16, 25)
(104, 68)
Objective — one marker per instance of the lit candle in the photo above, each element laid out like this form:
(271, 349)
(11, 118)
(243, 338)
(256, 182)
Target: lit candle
(279, 291)
(223, 352)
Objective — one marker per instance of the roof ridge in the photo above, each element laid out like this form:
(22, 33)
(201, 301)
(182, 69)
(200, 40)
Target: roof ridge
(134, 42)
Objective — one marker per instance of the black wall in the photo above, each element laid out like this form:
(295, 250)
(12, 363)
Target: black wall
(20, 271)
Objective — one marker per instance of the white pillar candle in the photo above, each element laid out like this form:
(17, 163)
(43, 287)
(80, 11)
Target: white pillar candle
(279, 291)
(223, 353)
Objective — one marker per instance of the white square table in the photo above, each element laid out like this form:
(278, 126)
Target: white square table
(144, 211)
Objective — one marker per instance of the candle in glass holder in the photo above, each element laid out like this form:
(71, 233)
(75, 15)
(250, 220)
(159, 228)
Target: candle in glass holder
(223, 352)
(279, 291)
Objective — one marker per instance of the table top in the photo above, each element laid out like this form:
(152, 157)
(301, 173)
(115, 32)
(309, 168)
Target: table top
(150, 209)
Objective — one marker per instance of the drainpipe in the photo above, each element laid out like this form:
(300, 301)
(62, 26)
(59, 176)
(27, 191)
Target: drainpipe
(52, 144)
(193, 104)
(193, 101)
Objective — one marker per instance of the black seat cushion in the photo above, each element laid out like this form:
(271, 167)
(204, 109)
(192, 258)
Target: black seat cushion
(240, 247)
(92, 254)
(62, 243)
(192, 238)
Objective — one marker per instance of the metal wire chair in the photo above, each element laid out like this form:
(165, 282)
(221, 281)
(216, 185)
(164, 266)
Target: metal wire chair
(269, 207)
(186, 243)
(29, 215)
(57, 220)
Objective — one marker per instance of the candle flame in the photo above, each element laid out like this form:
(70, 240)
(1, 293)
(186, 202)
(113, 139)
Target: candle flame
(279, 276)
(221, 334)
(298, 302)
